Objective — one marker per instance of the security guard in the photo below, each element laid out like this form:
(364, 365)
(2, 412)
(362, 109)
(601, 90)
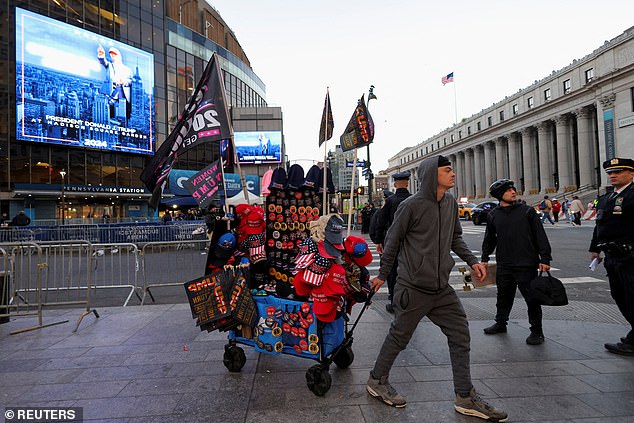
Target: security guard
(614, 235)
(401, 182)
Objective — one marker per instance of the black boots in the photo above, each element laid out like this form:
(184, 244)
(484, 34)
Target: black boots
(495, 328)
(535, 338)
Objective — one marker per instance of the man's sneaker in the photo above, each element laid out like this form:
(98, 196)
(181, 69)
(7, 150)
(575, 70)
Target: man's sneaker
(474, 405)
(381, 389)
(495, 328)
(390, 308)
(535, 338)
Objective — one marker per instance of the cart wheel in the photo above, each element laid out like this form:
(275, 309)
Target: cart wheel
(234, 358)
(318, 380)
(344, 357)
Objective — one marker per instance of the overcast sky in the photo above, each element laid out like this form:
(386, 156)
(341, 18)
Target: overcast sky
(404, 48)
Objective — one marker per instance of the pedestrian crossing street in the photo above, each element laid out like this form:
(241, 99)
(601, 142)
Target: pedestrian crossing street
(373, 267)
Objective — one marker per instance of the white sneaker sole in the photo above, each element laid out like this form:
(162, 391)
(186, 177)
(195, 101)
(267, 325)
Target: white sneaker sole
(476, 413)
(387, 401)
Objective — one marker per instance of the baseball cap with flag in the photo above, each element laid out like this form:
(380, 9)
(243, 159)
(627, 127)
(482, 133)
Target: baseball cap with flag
(358, 250)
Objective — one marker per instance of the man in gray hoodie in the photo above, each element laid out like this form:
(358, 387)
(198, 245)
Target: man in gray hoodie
(424, 232)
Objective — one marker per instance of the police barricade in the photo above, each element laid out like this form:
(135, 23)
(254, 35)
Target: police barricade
(16, 234)
(141, 233)
(170, 264)
(66, 276)
(117, 266)
(21, 268)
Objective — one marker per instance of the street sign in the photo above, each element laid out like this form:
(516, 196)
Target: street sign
(360, 163)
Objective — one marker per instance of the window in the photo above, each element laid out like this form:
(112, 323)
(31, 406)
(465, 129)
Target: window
(479, 126)
(501, 115)
(490, 121)
(589, 75)
(516, 109)
(451, 137)
(468, 130)
(547, 94)
(444, 140)
(459, 135)
(567, 88)
(632, 97)
(530, 102)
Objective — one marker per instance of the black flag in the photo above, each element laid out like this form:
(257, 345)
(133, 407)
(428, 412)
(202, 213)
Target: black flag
(205, 185)
(360, 129)
(327, 122)
(204, 119)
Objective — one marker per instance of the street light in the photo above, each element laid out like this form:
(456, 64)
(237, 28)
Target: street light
(371, 96)
(63, 174)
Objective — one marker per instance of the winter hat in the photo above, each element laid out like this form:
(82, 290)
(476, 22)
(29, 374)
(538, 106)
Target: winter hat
(295, 177)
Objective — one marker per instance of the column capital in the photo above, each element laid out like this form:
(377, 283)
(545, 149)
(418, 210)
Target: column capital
(513, 136)
(542, 126)
(561, 120)
(607, 101)
(527, 132)
(583, 112)
(469, 151)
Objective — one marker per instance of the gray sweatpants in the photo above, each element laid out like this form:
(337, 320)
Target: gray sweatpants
(445, 311)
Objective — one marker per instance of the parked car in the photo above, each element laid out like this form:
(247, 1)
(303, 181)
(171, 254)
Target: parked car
(479, 212)
(464, 210)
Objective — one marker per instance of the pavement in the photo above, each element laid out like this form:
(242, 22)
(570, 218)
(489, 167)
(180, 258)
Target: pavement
(150, 364)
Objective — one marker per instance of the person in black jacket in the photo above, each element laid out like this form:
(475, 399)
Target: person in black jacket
(522, 249)
(614, 236)
(384, 221)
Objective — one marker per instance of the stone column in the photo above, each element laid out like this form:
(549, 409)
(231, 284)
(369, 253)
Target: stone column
(515, 160)
(529, 161)
(468, 173)
(479, 164)
(489, 166)
(585, 137)
(564, 149)
(500, 159)
(545, 169)
(460, 174)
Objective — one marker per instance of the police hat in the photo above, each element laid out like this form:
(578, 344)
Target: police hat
(617, 164)
(401, 176)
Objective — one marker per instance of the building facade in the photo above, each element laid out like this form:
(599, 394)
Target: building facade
(550, 137)
(62, 129)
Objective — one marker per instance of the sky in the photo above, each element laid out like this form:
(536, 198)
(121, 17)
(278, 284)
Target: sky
(404, 48)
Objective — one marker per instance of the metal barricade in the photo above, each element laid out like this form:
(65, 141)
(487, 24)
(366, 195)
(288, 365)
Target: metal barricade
(21, 271)
(117, 266)
(172, 263)
(66, 275)
(16, 234)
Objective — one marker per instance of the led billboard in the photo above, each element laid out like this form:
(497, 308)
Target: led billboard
(78, 88)
(259, 146)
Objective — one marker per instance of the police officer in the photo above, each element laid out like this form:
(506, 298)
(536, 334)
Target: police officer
(614, 236)
(401, 182)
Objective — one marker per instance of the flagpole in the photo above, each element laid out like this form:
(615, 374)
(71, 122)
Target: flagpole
(350, 206)
(224, 188)
(455, 102)
(325, 198)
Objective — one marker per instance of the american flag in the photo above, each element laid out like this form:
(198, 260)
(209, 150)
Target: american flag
(447, 79)
(307, 250)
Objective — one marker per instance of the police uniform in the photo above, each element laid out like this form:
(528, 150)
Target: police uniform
(614, 236)
(385, 221)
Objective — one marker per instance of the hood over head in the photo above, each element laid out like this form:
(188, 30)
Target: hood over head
(428, 176)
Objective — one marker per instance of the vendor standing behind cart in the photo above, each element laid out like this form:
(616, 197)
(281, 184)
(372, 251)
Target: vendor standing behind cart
(424, 232)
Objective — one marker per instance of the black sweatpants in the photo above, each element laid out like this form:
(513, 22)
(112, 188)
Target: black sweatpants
(508, 279)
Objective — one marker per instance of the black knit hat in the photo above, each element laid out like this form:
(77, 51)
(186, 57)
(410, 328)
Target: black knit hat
(330, 185)
(295, 177)
(312, 177)
(278, 180)
(443, 161)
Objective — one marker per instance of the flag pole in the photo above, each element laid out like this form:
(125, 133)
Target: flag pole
(325, 198)
(224, 188)
(455, 102)
(350, 206)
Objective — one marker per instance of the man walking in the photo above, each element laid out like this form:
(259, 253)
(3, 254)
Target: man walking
(424, 232)
(385, 219)
(614, 235)
(522, 248)
(576, 209)
(546, 206)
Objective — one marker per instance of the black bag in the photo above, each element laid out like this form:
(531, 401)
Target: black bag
(547, 290)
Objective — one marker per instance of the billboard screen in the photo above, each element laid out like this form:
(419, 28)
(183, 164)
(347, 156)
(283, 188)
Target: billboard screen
(78, 88)
(259, 146)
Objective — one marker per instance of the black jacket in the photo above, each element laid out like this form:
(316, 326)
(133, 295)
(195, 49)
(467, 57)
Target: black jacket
(386, 215)
(519, 236)
(615, 219)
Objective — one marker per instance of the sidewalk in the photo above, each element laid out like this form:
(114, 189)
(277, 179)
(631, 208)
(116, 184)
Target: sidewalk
(151, 364)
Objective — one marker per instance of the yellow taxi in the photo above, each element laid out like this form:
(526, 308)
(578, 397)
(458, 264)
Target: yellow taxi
(464, 210)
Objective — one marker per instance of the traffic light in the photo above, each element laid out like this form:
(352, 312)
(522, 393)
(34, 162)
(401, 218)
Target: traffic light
(359, 190)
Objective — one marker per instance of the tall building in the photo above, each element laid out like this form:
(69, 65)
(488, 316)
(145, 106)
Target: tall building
(116, 77)
(550, 137)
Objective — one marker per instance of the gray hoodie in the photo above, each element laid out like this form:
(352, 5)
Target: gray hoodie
(423, 234)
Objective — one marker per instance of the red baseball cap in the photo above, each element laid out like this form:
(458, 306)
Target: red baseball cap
(358, 250)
